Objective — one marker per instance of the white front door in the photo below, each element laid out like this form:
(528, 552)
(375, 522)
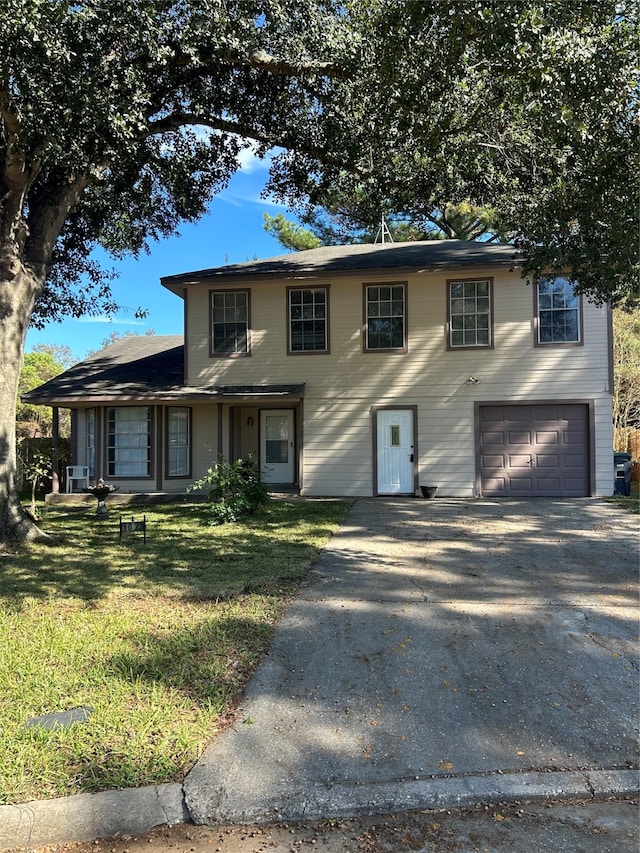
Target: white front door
(277, 446)
(395, 452)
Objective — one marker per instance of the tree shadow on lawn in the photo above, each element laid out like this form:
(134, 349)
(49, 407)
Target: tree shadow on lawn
(184, 555)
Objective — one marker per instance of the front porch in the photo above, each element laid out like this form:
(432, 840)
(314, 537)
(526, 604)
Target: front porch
(122, 499)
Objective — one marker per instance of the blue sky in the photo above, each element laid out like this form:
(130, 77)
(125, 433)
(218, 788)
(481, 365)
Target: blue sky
(231, 233)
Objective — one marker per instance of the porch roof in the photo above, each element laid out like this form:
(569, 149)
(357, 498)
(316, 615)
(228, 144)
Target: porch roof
(143, 369)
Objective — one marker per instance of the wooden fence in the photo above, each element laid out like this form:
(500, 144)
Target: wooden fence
(28, 449)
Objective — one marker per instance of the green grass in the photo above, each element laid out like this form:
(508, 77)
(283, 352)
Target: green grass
(631, 502)
(158, 639)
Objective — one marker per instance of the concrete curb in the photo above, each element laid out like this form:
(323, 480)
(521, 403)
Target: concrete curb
(85, 817)
(208, 804)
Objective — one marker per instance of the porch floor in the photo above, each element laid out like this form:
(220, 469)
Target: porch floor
(141, 498)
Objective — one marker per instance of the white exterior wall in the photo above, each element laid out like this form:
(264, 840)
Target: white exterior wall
(343, 385)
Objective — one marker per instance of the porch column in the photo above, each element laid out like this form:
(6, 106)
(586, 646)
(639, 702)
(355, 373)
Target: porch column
(55, 449)
(159, 410)
(219, 449)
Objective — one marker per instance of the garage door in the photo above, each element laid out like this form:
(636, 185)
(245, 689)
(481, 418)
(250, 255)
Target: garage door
(534, 451)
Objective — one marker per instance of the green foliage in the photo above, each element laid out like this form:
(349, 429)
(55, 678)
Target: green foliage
(626, 367)
(122, 125)
(527, 109)
(345, 223)
(35, 468)
(38, 367)
(234, 488)
(289, 234)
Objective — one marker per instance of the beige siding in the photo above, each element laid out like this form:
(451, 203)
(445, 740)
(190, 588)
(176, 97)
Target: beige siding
(342, 386)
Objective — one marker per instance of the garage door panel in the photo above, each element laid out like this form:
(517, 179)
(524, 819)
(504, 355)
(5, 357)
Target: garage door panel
(548, 460)
(520, 487)
(520, 460)
(516, 437)
(493, 439)
(545, 450)
(496, 486)
(550, 414)
(494, 462)
(572, 462)
(516, 414)
(547, 437)
(551, 485)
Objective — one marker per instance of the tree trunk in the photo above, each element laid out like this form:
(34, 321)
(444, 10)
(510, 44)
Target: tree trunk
(19, 288)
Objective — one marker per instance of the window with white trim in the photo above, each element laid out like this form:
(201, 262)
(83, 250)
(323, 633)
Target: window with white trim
(470, 323)
(129, 441)
(558, 311)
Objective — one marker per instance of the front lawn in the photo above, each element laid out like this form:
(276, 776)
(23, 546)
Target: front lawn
(155, 641)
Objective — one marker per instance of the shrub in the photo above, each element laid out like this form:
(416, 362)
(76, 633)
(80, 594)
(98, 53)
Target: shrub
(234, 488)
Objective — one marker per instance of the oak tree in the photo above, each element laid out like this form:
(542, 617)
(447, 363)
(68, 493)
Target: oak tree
(118, 121)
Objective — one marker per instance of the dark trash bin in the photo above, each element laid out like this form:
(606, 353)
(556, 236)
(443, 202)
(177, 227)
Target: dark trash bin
(622, 479)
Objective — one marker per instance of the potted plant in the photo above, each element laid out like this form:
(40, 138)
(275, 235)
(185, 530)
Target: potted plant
(428, 492)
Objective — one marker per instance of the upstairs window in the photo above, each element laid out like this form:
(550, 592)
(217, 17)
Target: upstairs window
(308, 319)
(558, 318)
(470, 312)
(385, 317)
(229, 322)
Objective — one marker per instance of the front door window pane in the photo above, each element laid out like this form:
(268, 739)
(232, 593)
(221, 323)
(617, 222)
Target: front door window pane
(277, 439)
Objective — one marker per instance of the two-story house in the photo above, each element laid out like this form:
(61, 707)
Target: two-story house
(358, 370)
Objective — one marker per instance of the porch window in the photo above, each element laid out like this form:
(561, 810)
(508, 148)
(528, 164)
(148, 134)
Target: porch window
(129, 441)
(229, 322)
(470, 314)
(385, 317)
(91, 443)
(178, 441)
(308, 320)
(557, 312)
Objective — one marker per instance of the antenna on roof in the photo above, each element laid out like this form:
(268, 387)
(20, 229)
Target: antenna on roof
(383, 234)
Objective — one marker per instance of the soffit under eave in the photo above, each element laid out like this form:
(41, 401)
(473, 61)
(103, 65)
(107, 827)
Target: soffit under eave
(168, 400)
(329, 275)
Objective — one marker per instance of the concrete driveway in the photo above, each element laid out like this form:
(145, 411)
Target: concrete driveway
(442, 652)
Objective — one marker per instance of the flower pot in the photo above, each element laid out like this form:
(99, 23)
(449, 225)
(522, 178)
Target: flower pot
(428, 492)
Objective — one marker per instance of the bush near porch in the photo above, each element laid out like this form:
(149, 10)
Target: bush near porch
(158, 640)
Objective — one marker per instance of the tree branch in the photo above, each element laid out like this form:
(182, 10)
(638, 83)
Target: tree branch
(266, 62)
(175, 121)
